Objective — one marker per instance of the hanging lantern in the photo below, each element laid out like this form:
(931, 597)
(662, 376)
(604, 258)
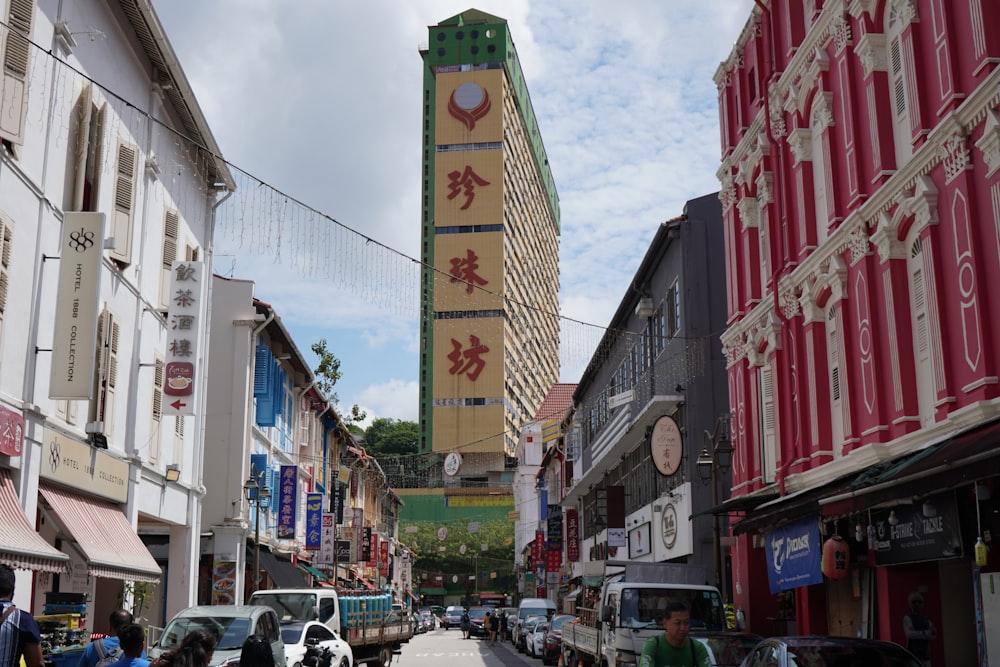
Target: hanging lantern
(836, 557)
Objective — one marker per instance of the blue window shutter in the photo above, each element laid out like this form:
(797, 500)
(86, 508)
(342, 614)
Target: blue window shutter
(275, 486)
(279, 390)
(261, 370)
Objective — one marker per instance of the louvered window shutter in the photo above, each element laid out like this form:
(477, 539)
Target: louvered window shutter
(16, 52)
(171, 232)
(157, 414)
(124, 203)
(278, 392)
(262, 371)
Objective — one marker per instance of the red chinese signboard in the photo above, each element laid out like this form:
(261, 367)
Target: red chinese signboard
(383, 558)
(11, 432)
(373, 560)
(553, 561)
(538, 549)
(572, 536)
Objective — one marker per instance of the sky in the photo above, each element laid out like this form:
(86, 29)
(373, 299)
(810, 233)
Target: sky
(322, 100)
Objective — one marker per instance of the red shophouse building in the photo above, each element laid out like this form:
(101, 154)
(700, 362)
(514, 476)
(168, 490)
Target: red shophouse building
(861, 192)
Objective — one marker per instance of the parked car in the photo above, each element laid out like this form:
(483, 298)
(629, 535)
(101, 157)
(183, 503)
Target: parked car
(452, 617)
(839, 651)
(476, 617)
(297, 635)
(526, 627)
(418, 624)
(727, 649)
(429, 620)
(535, 639)
(232, 624)
(553, 638)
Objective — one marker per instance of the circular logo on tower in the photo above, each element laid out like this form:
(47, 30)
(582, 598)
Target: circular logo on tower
(452, 464)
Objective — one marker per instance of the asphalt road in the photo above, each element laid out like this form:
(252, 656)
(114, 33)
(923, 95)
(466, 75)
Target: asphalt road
(444, 648)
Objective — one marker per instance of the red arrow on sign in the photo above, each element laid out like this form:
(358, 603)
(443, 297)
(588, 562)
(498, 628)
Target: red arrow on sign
(177, 405)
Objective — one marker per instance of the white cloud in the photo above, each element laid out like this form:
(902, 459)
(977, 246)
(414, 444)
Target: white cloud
(395, 399)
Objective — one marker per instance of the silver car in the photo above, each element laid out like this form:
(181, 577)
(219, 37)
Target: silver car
(232, 624)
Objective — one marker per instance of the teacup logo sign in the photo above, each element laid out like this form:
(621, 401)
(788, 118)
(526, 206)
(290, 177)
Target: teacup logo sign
(179, 379)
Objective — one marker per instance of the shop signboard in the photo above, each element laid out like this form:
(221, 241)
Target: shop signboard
(793, 554)
(554, 528)
(922, 531)
(11, 431)
(314, 514)
(287, 493)
(572, 535)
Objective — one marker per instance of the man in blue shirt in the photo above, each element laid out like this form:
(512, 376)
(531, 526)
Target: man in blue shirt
(19, 636)
(99, 649)
(132, 641)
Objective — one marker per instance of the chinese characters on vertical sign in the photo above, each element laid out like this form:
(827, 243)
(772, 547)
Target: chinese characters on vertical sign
(11, 432)
(373, 555)
(326, 547)
(383, 558)
(465, 182)
(572, 536)
(287, 490)
(464, 269)
(314, 518)
(183, 326)
(467, 361)
(365, 545)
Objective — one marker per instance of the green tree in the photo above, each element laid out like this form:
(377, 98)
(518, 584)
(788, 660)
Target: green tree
(327, 374)
(391, 437)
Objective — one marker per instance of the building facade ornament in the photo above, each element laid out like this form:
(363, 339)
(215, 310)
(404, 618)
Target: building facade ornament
(822, 114)
(989, 143)
(872, 52)
(800, 141)
(885, 238)
(954, 154)
(840, 32)
(858, 242)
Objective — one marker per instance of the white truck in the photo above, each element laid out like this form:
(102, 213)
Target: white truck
(369, 624)
(632, 598)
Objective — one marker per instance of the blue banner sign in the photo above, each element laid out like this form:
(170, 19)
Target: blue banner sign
(314, 520)
(793, 555)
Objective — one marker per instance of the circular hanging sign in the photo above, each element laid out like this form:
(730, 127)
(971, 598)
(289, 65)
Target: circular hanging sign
(668, 526)
(665, 445)
(454, 578)
(452, 464)
(442, 533)
(462, 549)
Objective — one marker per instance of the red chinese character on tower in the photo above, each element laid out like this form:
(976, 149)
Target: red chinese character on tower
(464, 269)
(465, 180)
(467, 361)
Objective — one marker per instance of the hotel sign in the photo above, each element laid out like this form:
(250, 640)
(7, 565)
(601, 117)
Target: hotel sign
(78, 287)
(80, 466)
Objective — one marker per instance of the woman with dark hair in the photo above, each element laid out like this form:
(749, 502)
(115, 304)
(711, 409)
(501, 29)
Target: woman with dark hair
(256, 652)
(195, 650)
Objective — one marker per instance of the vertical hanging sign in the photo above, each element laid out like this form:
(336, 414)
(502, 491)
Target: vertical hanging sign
(572, 535)
(383, 558)
(74, 341)
(184, 327)
(326, 547)
(365, 545)
(314, 520)
(287, 490)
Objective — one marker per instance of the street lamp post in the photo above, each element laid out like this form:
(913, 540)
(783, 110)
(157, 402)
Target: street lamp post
(716, 458)
(258, 494)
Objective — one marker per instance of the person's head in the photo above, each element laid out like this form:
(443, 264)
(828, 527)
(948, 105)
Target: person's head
(916, 601)
(132, 639)
(256, 652)
(195, 650)
(119, 619)
(676, 622)
(6, 582)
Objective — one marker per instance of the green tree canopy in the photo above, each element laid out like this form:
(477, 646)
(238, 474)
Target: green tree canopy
(327, 374)
(391, 437)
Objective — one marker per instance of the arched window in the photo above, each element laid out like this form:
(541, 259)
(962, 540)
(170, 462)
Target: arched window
(922, 350)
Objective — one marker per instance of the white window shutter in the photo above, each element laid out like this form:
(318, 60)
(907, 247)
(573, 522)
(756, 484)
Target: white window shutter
(153, 452)
(108, 332)
(171, 231)
(921, 337)
(16, 53)
(767, 417)
(122, 210)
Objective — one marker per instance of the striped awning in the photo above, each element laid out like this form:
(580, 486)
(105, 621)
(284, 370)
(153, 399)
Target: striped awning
(20, 546)
(111, 546)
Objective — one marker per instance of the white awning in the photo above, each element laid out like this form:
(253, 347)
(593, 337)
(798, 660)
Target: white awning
(106, 538)
(20, 546)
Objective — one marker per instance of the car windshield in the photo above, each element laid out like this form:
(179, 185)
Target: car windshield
(557, 622)
(230, 631)
(643, 607)
(729, 649)
(477, 613)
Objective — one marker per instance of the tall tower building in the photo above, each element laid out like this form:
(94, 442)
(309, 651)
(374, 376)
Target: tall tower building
(489, 317)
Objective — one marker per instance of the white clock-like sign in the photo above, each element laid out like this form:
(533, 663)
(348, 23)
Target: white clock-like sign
(665, 445)
(452, 464)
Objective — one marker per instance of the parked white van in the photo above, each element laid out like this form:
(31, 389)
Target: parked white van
(531, 607)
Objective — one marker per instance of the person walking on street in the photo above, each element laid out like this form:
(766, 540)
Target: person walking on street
(132, 642)
(195, 650)
(503, 626)
(19, 635)
(257, 652)
(466, 621)
(494, 620)
(674, 648)
(102, 649)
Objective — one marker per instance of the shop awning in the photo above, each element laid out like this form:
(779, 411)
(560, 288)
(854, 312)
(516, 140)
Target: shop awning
(313, 571)
(20, 546)
(284, 574)
(963, 459)
(364, 581)
(433, 590)
(412, 596)
(791, 506)
(109, 543)
(744, 503)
